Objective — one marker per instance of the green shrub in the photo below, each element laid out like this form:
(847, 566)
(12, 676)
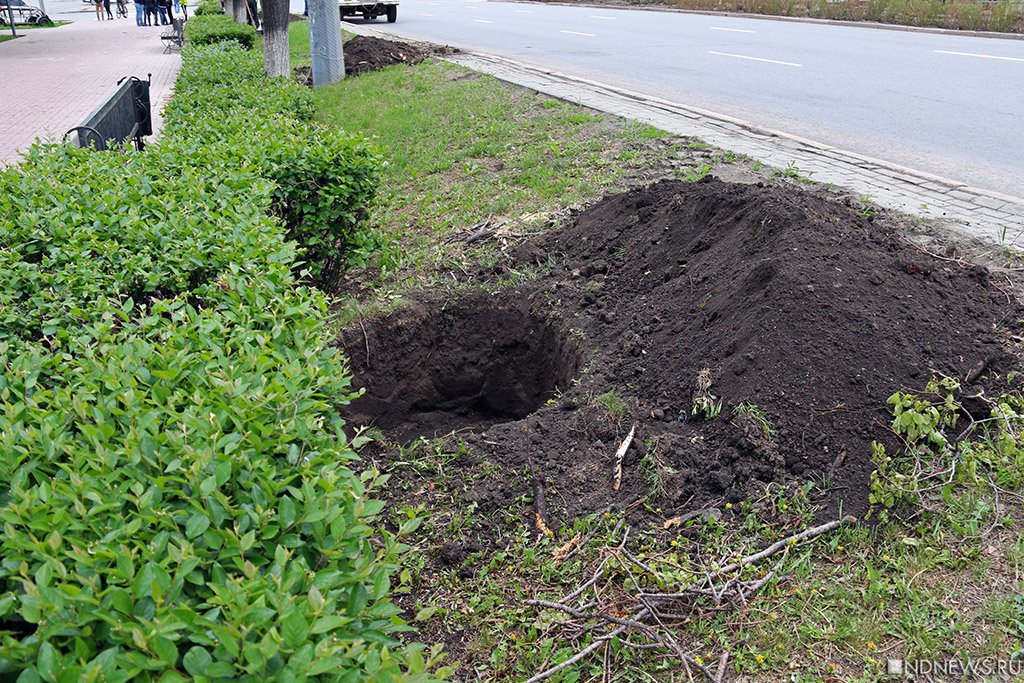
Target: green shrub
(1006, 16)
(207, 29)
(176, 490)
(324, 180)
(209, 7)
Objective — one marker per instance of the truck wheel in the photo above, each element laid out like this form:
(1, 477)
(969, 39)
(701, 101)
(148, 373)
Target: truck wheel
(392, 13)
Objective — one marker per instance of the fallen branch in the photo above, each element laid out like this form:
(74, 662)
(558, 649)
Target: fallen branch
(722, 662)
(804, 535)
(619, 455)
(576, 657)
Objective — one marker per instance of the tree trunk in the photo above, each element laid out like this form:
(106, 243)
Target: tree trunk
(238, 11)
(275, 38)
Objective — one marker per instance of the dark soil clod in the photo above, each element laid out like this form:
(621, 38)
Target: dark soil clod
(431, 372)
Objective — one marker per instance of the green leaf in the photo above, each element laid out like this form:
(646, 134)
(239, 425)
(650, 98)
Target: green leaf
(121, 600)
(208, 485)
(48, 662)
(328, 624)
(196, 661)
(196, 525)
(165, 649)
(294, 629)
(220, 670)
(358, 599)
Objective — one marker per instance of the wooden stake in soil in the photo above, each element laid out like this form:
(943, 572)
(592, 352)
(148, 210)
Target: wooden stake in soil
(619, 455)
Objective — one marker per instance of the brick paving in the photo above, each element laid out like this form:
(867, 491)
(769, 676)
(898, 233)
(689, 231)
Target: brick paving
(54, 78)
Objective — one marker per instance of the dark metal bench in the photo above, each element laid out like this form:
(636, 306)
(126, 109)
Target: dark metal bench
(175, 37)
(126, 115)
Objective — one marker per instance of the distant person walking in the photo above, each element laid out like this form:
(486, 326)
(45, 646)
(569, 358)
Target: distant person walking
(140, 13)
(99, 10)
(106, 8)
(151, 15)
(162, 10)
(184, 8)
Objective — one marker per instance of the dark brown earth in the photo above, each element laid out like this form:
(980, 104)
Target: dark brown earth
(796, 304)
(366, 53)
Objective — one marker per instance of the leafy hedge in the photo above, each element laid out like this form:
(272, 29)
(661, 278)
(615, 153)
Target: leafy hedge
(209, 7)
(210, 28)
(175, 486)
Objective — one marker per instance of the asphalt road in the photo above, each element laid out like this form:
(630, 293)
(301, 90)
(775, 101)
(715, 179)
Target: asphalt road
(946, 104)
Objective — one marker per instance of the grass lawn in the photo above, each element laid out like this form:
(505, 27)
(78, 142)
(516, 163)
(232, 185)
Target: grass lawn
(937, 582)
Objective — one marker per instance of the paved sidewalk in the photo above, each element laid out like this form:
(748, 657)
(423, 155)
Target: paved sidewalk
(987, 216)
(54, 78)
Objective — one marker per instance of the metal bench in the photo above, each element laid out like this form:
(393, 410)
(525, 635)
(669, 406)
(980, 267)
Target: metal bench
(125, 115)
(175, 37)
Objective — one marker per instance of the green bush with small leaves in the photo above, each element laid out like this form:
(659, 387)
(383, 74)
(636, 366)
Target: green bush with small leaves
(177, 496)
(208, 29)
(324, 180)
(209, 7)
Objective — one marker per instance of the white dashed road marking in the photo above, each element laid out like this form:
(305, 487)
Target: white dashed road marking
(754, 59)
(975, 54)
(577, 33)
(734, 30)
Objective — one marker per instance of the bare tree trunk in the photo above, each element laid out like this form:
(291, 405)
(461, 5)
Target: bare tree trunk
(275, 38)
(238, 11)
(229, 7)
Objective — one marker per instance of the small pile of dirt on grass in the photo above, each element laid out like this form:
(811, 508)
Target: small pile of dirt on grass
(787, 319)
(366, 53)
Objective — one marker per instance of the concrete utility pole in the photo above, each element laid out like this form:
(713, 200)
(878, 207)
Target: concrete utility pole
(325, 42)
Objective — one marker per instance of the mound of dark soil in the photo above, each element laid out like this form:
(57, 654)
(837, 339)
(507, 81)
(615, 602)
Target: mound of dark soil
(366, 53)
(780, 299)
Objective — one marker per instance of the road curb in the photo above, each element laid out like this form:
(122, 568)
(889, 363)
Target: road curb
(990, 217)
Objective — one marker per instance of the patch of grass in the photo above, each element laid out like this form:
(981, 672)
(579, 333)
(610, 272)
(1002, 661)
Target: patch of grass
(298, 43)
(757, 415)
(612, 402)
(1004, 17)
(792, 172)
(465, 150)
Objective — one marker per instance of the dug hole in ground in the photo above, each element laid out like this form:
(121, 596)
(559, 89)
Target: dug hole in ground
(738, 334)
